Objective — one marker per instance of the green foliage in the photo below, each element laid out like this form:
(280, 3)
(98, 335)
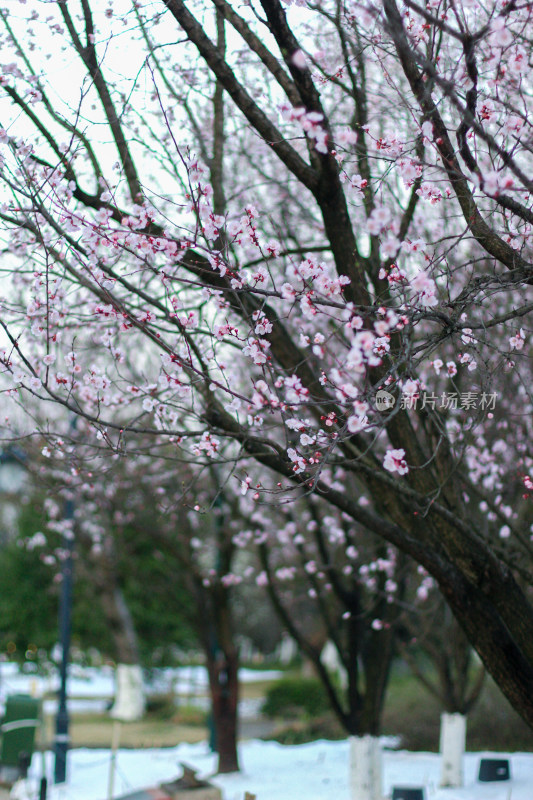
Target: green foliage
(155, 589)
(412, 714)
(29, 597)
(296, 697)
(28, 603)
(162, 706)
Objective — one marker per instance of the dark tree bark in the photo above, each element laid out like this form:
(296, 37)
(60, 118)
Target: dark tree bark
(222, 667)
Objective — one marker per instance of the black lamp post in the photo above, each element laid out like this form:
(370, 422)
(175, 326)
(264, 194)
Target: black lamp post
(61, 741)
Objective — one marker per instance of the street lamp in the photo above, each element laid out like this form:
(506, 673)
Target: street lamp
(61, 741)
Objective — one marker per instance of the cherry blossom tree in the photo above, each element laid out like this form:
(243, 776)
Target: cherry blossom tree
(126, 508)
(198, 537)
(330, 583)
(324, 292)
(457, 680)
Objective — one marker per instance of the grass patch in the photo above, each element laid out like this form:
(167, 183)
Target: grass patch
(325, 726)
(96, 730)
(255, 690)
(192, 715)
(410, 712)
(414, 714)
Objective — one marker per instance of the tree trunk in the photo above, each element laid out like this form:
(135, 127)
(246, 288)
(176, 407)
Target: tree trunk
(377, 660)
(121, 627)
(507, 663)
(130, 700)
(224, 685)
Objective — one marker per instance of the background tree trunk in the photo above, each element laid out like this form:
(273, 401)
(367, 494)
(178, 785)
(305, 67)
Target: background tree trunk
(130, 701)
(222, 668)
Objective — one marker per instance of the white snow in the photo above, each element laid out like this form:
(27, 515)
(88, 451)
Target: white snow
(316, 771)
(93, 688)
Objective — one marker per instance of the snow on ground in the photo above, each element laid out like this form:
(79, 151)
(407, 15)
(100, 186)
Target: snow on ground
(92, 688)
(99, 681)
(316, 771)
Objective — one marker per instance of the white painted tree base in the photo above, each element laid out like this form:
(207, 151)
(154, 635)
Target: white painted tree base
(365, 768)
(129, 702)
(287, 649)
(331, 660)
(452, 748)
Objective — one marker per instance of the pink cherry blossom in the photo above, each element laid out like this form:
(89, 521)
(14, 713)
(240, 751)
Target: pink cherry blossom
(425, 288)
(517, 341)
(395, 461)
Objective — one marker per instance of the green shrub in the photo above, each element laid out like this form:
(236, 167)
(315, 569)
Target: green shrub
(162, 706)
(296, 697)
